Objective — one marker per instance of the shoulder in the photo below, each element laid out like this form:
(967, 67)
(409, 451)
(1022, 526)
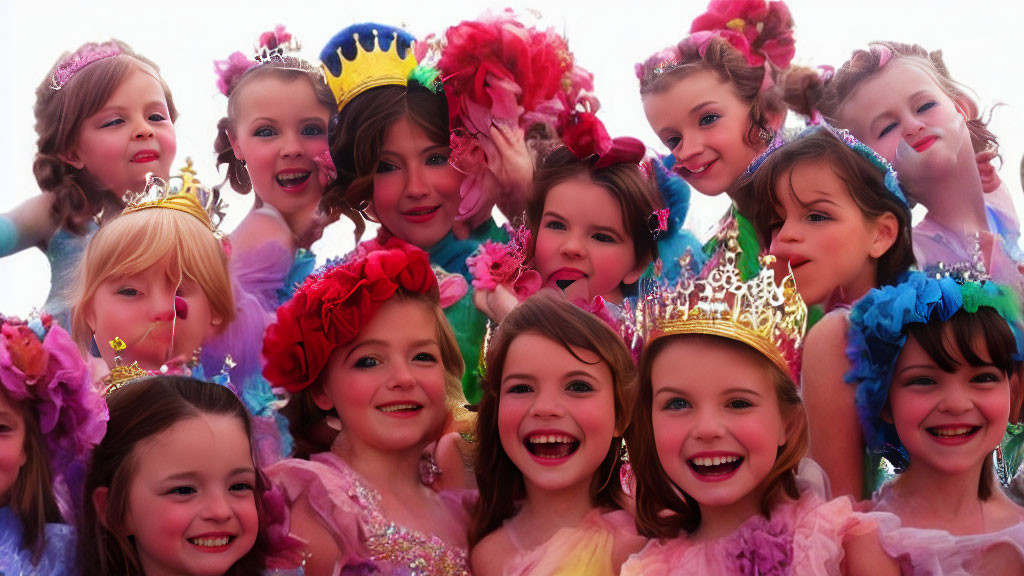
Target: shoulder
(824, 355)
(490, 556)
(261, 226)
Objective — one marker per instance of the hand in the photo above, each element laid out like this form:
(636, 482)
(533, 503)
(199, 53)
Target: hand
(497, 303)
(513, 168)
(989, 177)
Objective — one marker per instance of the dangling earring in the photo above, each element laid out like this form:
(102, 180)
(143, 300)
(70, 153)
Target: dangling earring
(765, 135)
(362, 208)
(242, 164)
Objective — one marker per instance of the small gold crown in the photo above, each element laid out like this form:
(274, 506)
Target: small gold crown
(191, 197)
(120, 375)
(369, 69)
(768, 317)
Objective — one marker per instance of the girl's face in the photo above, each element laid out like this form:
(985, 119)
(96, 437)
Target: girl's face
(415, 190)
(582, 238)
(142, 311)
(279, 128)
(129, 137)
(948, 422)
(388, 386)
(704, 124)
(192, 506)
(903, 114)
(12, 446)
(717, 423)
(823, 234)
(556, 413)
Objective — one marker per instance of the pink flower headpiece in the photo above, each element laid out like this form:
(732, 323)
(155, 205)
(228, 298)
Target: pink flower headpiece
(761, 31)
(273, 44)
(41, 368)
(81, 58)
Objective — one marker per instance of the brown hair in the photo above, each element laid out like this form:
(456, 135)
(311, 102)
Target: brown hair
(59, 116)
(32, 499)
(550, 315)
(864, 181)
(730, 67)
(138, 412)
(635, 190)
(947, 342)
(356, 144)
(829, 96)
(662, 509)
(288, 69)
(307, 421)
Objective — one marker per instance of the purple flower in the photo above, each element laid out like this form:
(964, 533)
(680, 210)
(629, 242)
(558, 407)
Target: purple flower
(764, 548)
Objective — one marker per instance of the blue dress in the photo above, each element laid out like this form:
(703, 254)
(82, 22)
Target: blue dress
(58, 556)
(64, 251)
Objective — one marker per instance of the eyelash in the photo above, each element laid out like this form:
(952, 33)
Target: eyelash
(676, 404)
(708, 119)
(579, 387)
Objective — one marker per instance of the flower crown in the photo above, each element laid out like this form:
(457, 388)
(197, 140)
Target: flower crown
(91, 52)
(332, 306)
(273, 45)
(191, 197)
(768, 317)
(365, 56)
(41, 367)
(877, 334)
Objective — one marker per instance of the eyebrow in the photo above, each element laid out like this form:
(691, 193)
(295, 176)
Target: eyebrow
(274, 120)
(383, 344)
(422, 150)
(702, 105)
(532, 378)
(196, 475)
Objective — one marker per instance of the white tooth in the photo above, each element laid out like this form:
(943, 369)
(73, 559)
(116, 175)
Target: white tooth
(716, 461)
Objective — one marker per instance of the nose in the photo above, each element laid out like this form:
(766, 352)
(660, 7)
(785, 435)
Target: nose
(547, 404)
(142, 130)
(402, 376)
(786, 233)
(955, 400)
(573, 246)
(216, 507)
(689, 147)
(707, 424)
(416, 182)
(912, 125)
(291, 145)
(163, 305)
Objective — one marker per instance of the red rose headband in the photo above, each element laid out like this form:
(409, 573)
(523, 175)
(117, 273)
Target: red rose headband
(331, 308)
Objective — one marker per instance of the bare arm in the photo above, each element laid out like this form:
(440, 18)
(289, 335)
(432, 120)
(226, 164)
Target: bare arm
(322, 553)
(33, 222)
(489, 556)
(837, 443)
(863, 554)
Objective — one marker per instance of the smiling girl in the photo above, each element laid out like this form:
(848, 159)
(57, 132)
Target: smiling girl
(105, 118)
(172, 488)
(938, 380)
(718, 434)
(364, 345)
(549, 430)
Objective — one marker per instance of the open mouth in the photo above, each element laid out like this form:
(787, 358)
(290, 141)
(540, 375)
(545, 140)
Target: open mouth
(954, 432)
(714, 465)
(551, 446)
(697, 171)
(291, 179)
(406, 408)
(218, 542)
(421, 211)
(145, 156)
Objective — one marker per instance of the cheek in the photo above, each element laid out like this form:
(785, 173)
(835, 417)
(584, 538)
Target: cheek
(510, 415)
(386, 192)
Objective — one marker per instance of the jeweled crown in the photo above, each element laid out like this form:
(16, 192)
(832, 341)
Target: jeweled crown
(365, 56)
(191, 197)
(119, 373)
(769, 317)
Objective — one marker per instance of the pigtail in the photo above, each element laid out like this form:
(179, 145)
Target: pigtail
(802, 89)
(237, 175)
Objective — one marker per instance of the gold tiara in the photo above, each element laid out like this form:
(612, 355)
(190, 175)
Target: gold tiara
(770, 318)
(369, 68)
(121, 374)
(190, 197)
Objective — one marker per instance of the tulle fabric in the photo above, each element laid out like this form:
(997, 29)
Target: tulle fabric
(350, 510)
(58, 558)
(584, 550)
(928, 552)
(64, 251)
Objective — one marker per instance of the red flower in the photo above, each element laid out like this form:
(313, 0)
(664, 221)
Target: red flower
(275, 37)
(330, 309)
(759, 30)
(585, 134)
(26, 350)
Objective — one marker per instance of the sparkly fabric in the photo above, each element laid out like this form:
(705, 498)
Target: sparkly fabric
(937, 248)
(925, 552)
(350, 510)
(750, 248)
(64, 250)
(583, 549)
(58, 558)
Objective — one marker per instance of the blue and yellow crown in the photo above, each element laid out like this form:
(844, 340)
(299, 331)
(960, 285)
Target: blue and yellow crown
(365, 56)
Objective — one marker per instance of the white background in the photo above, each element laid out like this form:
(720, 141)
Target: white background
(981, 41)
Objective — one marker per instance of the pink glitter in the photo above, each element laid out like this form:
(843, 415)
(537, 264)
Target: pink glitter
(80, 59)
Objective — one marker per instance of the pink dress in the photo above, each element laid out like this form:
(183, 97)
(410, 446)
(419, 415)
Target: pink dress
(803, 537)
(350, 510)
(929, 552)
(583, 549)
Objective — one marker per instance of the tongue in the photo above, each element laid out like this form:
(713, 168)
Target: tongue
(551, 450)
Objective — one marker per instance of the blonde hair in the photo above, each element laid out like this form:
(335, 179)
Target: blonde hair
(133, 242)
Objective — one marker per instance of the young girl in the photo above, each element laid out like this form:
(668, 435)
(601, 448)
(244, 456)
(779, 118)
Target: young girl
(938, 380)
(364, 345)
(50, 418)
(832, 211)
(273, 140)
(172, 487)
(105, 119)
(155, 278)
(715, 101)
(718, 434)
(900, 100)
(549, 435)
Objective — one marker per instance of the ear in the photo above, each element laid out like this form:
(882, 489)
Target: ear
(887, 228)
(886, 414)
(1016, 397)
(90, 317)
(72, 158)
(320, 398)
(99, 503)
(776, 119)
(634, 275)
(234, 144)
(962, 106)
